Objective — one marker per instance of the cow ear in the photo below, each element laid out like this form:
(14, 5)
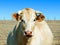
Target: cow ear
(40, 17)
(16, 16)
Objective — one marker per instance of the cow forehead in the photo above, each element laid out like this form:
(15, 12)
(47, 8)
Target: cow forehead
(28, 14)
(28, 10)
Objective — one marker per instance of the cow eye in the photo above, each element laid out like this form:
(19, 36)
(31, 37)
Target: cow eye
(34, 19)
(22, 21)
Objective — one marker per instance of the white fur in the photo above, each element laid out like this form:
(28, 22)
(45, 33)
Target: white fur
(42, 34)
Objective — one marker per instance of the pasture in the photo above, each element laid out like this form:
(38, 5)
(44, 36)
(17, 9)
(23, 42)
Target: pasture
(8, 25)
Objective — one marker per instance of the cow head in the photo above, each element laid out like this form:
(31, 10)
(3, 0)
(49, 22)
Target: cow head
(28, 18)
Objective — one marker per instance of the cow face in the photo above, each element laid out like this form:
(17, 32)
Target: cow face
(28, 17)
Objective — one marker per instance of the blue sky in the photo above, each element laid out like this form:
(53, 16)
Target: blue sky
(50, 8)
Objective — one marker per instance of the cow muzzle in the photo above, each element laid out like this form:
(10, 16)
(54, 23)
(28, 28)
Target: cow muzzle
(28, 33)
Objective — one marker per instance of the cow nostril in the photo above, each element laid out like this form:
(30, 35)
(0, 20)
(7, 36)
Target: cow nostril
(30, 32)
(25, 32)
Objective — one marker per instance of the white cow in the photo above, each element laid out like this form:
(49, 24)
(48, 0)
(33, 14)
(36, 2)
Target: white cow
(31, 29)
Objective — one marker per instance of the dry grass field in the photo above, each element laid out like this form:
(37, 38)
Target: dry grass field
(6, 26)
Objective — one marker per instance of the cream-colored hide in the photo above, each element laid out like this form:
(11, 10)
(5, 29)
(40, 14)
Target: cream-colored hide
(31, 29)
